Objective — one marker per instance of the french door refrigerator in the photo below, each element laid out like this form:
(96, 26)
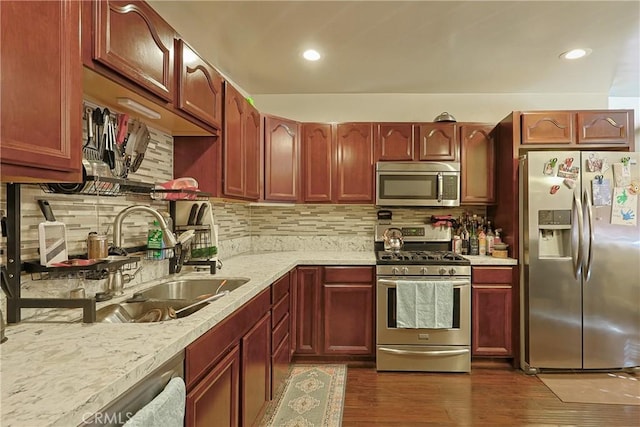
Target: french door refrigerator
(580, 260)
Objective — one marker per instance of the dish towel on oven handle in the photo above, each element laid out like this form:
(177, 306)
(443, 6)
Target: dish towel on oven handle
(424, 304)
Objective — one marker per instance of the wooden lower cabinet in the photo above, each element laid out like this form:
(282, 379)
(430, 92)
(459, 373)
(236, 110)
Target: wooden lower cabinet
(492, 311)
(334, 312)
(307, 310)
(228, 369)
(281, 302)
(215, 399)
(256, 370)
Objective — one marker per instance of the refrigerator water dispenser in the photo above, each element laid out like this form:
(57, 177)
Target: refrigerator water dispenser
(554, 233)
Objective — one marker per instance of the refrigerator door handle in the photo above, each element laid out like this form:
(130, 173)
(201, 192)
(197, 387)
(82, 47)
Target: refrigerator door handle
(586, 272)
(576, 250)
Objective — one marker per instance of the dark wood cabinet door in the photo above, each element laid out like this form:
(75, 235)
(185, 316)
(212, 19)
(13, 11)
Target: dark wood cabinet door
(256, 370)
(252, 152)
(394, 141)
(477, 164)
(438, 142)
(492, 311)
(317, 162)
(548, 127)
(215, 401)
(307, 310)
(133, 40)
(233, 148)
(348, 318)
(281, 160)
(354, 174)
(605, 127)
(491, 308)
(41, 91)
(199, 86)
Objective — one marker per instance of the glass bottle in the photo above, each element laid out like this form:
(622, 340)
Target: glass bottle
(490, 238)
(474, 248)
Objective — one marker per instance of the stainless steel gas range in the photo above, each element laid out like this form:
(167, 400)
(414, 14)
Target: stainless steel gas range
(424, 259)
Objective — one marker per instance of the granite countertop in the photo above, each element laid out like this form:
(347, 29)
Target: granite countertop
(60, 373)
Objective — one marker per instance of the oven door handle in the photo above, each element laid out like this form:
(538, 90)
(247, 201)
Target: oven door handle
(425, 352)
(456, 283)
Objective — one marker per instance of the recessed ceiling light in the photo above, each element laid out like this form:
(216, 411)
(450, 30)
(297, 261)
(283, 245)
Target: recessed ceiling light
(311, 55)
(575, 53)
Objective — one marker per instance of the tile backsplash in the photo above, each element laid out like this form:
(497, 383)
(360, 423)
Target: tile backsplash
(242, 226)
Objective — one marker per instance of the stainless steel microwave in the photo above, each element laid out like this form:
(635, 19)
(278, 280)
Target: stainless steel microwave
(418, 184)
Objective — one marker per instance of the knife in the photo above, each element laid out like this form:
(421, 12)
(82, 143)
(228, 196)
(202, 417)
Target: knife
(201, 211)
(141, 147)
(192, 214)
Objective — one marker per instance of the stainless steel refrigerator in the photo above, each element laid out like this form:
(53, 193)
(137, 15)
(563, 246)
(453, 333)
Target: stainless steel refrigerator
(580, 260)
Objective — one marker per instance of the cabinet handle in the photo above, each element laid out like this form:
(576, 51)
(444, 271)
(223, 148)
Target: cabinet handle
(425, 353)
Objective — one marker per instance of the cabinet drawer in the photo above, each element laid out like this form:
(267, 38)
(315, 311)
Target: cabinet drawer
(279, 288)
(280, 331)
(491, 275)
(280, 366)
(280, 309)
(348, 274)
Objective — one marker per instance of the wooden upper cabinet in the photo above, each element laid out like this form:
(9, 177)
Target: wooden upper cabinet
(354, 174)
(317, 163)
(438, 142)
(395, 141)
(281, 160)
(548, 127)
(199, 86)
(477, 158)
(133, 40)
(252, 152)
(605, 127)
(233, 147)
(41, 91)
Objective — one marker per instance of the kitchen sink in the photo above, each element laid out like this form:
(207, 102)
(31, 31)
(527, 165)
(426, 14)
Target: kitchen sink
(192, 289)
(139, 312)
(161, 302)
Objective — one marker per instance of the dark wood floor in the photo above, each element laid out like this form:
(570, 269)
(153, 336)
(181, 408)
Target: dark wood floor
(492, 395)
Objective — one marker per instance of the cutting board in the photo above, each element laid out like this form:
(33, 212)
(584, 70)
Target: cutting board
(52, 235)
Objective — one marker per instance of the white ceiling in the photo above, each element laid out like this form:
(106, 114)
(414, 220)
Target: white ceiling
(416, 46)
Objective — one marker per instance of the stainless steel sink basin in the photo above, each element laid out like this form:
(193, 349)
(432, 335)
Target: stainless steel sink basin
(160, 302)
(194, 289)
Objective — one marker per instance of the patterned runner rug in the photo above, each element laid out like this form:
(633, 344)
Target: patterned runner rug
(313, 395)
(607, 388)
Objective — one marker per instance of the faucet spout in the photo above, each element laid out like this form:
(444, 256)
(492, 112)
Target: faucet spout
(168, 236)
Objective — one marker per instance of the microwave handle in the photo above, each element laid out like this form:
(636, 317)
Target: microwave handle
(440, 187)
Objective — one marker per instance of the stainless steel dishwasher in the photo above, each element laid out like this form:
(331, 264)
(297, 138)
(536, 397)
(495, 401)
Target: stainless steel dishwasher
(124, 407)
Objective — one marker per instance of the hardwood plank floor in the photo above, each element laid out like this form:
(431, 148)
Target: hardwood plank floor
(489, 396)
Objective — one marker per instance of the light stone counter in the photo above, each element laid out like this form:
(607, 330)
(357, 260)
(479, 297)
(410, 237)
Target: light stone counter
(57, 374)
(489, 260)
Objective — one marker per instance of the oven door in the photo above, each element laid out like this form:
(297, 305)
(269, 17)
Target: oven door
(388, 333)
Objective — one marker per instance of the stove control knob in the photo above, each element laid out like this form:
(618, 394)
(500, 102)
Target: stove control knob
(442, 271)
(395, 270)
(452, 272)
(424, 270)
(405, 270)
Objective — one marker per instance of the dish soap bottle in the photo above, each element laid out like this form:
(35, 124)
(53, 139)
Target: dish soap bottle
(155, 242)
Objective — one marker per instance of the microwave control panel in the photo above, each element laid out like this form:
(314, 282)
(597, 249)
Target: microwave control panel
(450, 187)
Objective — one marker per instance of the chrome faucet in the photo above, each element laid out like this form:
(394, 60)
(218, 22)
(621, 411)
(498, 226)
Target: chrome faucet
(116, 280)
(167, 235)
